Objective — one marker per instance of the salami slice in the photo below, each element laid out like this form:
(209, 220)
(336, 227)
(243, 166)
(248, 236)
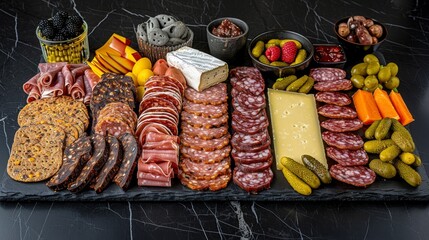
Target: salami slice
(333, 86)
(243, 72)
(213, 95)
(111, 167)
(249, 101)
(255, 167)
(251, 157)
(93, 166)
(205, 110)
(334, 111)
(358, 176)
(246, 113)
(113, 126)
(213, 184)
(129, 162)
(253, 182)
(249, 127)
(203, 170)
(204, 133)
(165, 81)
(342, 125)
(250, 85)
(201, 144)
(172, 97)
(200, 121)
(335, 98)
(327, 74)
(251, 142)
(205, 156)
(155, 102)
(346, 157)
(348, 141)
(260, 118)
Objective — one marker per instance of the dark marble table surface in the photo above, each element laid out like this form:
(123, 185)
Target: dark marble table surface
(407, 45)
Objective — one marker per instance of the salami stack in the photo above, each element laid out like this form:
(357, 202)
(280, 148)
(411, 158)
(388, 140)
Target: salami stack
(205, 162)
(251, 141)
(345, 146)
(157, 131)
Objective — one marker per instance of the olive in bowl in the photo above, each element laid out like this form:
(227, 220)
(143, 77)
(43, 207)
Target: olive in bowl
(359, 34)
(265, 60)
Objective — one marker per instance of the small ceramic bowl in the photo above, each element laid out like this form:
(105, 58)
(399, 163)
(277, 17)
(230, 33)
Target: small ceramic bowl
(357, 48)
(283, 70)
(226, 48)
(329, 55)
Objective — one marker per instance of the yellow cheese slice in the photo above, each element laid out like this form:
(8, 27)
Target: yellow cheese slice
(295, 126)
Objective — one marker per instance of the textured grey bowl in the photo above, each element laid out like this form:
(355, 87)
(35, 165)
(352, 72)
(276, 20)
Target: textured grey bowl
(226, 48)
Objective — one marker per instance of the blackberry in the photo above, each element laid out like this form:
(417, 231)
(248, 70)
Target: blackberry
(59, 19)
(77, 20)
(63, 31)
(59, 37)
(46, 29)
(72, 28)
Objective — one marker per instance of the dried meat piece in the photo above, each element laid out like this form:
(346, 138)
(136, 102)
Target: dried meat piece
(251, 142)
(206, 171)
(205, 156)
(253, 182)
(249, 101)
(342, 125)
(347, 157)
(205, 110)
(251, 157)
(204, 133)
(358, 176)
(327, 74)
(216, 184)
(335, 98)
(201, 144)
(200, 121)
(334, 111)
(214, 95)
(333, 86)
(129, 162)
(348, 140)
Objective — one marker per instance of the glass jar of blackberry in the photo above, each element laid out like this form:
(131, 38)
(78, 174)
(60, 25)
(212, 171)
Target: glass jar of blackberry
(63, 38)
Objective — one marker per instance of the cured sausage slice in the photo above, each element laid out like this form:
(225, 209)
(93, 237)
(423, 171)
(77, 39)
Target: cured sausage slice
(253, 182)
(251, 142)
(205, 156)
(333, 111)
(260, 118)
(358, 176)
(255, 167)
(246, 113)
(204, 170)
(204, 133)
(348, 141)
(250, 85)
(342, 125)
(200, 121)
(249, 101)
(111, 167)
(347, 157)
(129, 162)
(251, 157)
(333, 86)
(327, 74)
(75, 157)
(248, 127)
(213, 184)
(205, 110)
(207, 145)
(94, 164)
(214, 95)
(335, 98)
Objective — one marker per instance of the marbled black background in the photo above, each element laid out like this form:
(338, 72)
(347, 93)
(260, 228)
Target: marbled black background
(407, 45)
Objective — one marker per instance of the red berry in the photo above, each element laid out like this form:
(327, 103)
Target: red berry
(273, 53)
(289, 50)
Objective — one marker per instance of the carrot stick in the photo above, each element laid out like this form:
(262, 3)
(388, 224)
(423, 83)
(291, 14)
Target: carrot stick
(366, 107)
(405, 116)
(384, 104)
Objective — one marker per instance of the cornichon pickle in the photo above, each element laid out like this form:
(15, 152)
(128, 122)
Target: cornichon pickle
(282, 85)
(297, 184)
(407, 157)
(317, 168)
(383, 169)
(407, 173)
(370, 131)
(359, 69)
(263, 59)
(390, 153)
(297, 43)
(418, 161)
(274, 41)
(308, 85)
(403, 140)
(383, 128)
(376, 146)
(258, 49)
(279, 64)
(293, 87)
(300, 57)
(301, 171)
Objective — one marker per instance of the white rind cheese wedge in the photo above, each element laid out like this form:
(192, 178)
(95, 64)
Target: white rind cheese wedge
(200, 69)
(295, 125)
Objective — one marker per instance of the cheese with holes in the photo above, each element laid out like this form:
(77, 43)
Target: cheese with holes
(295, 125)
(200, 69)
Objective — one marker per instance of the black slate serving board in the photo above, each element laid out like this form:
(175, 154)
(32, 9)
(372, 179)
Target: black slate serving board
(382, 190)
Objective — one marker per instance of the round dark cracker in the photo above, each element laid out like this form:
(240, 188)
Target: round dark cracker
(36, 152)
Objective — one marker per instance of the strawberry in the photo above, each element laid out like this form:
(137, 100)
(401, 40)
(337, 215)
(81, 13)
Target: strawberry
(273, 53)
(289, 50)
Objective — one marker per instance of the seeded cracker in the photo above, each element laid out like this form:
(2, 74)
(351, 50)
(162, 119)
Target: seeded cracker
(37, 152)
